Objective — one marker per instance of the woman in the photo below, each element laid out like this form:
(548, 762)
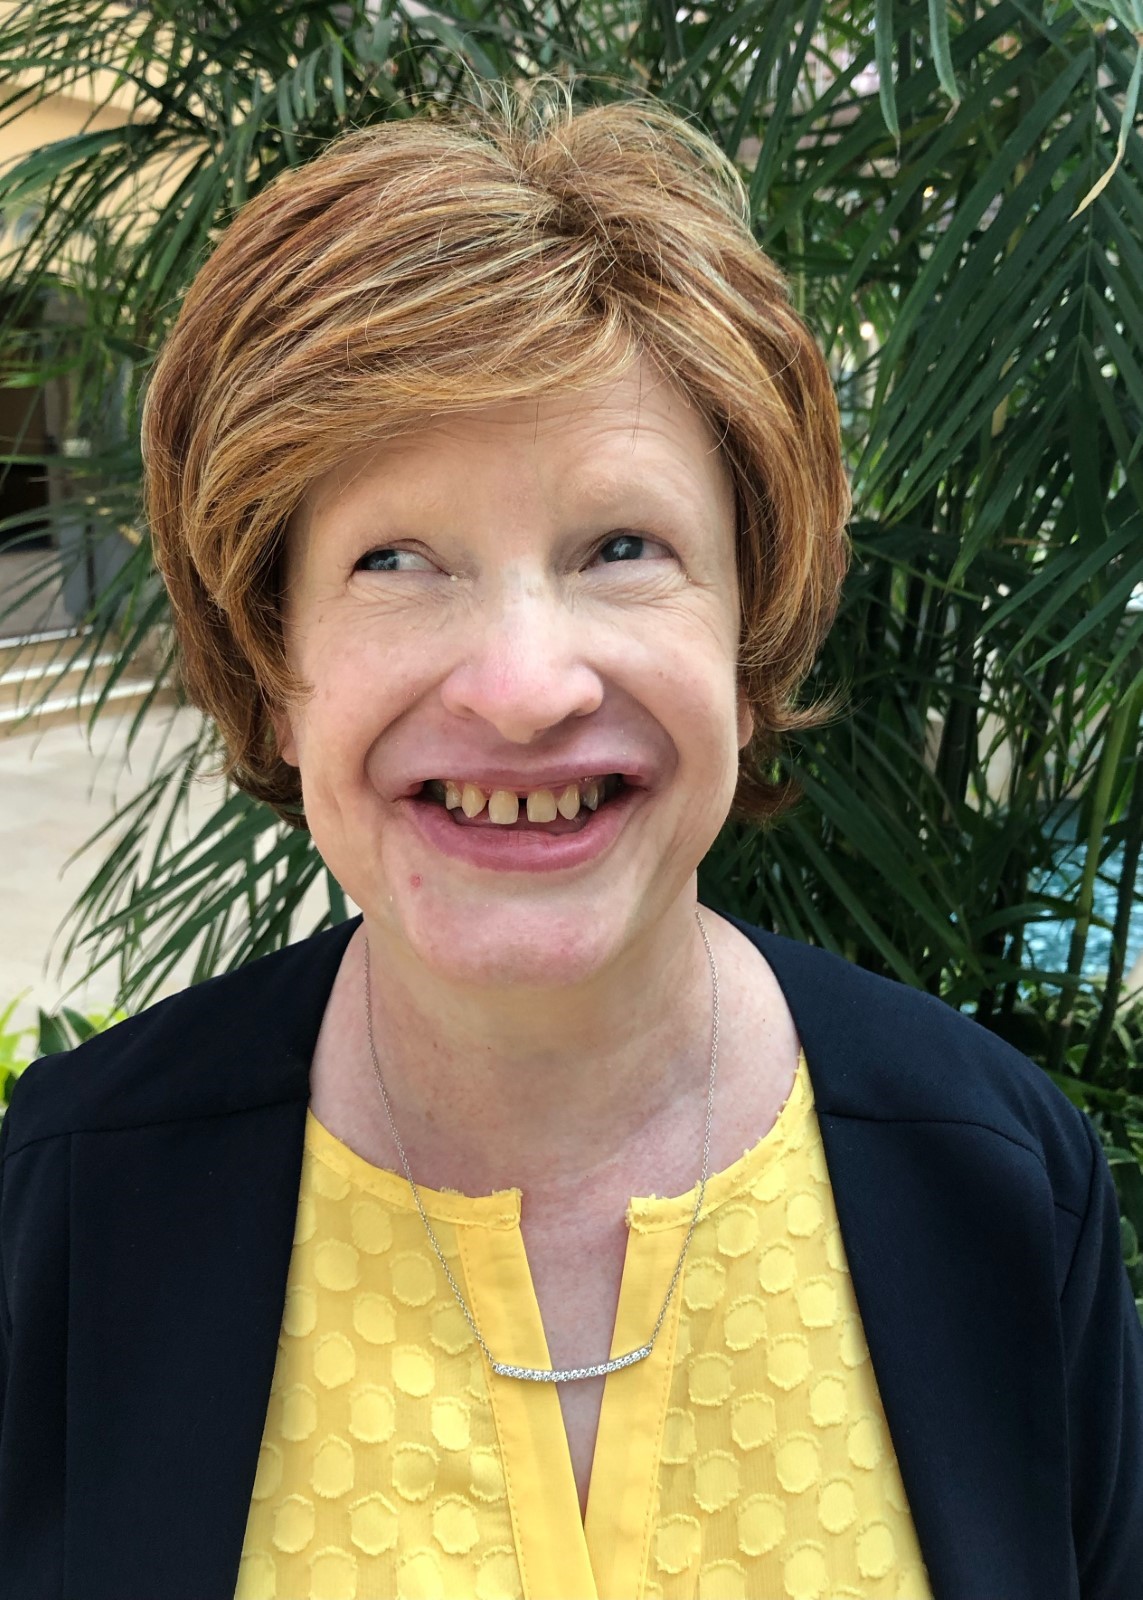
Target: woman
(498, 492)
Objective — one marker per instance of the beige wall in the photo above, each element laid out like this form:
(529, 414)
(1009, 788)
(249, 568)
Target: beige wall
(70, 110)
(57, 117)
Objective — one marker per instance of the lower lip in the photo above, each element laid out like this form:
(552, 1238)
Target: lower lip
(520, 850)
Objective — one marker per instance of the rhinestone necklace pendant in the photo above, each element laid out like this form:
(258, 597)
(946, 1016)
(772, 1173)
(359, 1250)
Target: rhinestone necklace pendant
(570, 1374)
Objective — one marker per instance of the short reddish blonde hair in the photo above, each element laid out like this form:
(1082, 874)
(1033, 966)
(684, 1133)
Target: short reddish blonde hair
(443, 262)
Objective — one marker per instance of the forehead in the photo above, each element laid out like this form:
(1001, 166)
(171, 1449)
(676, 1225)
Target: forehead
(636, 431)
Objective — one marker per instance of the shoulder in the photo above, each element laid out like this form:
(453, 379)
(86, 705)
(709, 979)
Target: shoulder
(234, 1042)
(880, 1051)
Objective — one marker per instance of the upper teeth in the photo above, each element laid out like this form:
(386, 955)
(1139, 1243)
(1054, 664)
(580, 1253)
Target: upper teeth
(504, 804)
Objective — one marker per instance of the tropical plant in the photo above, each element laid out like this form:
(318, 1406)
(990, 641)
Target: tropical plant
(956, 193)
(54, 1031)
(15, 1053)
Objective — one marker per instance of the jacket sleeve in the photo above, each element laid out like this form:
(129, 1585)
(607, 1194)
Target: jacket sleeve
(33, 1360)
(1103, 1349)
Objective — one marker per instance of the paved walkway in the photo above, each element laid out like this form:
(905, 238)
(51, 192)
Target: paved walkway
(56, 790)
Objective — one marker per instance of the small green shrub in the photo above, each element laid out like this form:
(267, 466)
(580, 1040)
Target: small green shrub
(54, 1031)
(15, 1048)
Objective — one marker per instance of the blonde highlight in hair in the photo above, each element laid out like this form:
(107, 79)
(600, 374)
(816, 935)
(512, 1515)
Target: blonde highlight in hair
(441, 263)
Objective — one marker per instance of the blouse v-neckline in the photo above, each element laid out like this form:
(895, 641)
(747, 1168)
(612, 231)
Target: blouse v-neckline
(603, 1553)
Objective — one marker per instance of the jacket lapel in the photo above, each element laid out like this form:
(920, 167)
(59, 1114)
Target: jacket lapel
(181, 1237)
(943, 1220)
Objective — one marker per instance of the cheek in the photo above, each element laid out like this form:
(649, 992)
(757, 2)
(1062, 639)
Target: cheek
(330, 727)
(343, 686)
(691, 693)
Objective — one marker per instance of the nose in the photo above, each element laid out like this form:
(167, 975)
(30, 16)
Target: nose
(525, 671)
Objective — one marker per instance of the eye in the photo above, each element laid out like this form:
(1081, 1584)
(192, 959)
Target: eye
(386, 558)
(630, 547)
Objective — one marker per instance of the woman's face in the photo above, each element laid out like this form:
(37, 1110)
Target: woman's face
(507, 603)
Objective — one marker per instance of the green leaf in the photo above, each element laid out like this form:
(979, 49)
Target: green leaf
(53, 1037)
(1127, 122)
(942, 53)
(886, 40)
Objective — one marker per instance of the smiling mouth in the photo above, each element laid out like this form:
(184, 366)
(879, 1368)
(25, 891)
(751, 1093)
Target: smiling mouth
(565, 810)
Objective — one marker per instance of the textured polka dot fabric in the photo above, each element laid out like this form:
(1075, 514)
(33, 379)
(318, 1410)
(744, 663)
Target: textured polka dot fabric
(749, 1456)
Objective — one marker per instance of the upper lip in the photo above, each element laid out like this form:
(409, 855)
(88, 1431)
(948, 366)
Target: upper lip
(556, 776)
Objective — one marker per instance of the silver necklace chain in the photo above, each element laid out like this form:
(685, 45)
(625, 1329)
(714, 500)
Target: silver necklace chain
(596, 1369)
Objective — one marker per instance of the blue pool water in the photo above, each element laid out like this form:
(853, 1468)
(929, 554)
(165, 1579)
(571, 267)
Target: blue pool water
(1046, 943)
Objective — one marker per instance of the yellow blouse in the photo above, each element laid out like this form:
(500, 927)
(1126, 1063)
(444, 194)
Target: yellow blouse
(747, 1456)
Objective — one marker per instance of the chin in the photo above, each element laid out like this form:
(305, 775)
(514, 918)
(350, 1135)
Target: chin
(509, 943)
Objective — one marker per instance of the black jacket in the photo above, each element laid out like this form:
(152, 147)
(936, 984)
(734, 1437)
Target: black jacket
(147, 1204)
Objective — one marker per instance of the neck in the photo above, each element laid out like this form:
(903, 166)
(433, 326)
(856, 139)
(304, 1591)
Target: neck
(481, 1081)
